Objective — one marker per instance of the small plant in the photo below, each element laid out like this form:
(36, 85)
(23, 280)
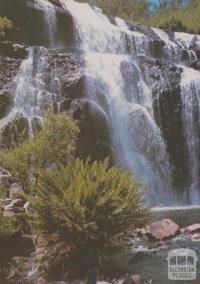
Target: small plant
(54, 145)
(87, 210)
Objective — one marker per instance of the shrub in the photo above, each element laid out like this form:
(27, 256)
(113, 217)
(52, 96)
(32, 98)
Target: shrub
(87, 210)
(8, 227)
(5, 23)
(54, 145)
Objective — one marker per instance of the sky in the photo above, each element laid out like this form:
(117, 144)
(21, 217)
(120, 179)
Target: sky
(153, 2)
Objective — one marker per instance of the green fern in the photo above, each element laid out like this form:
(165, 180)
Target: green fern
(87, 207)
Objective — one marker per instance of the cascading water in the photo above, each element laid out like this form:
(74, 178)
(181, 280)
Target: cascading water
(31, 94)
(136, 138)
(190, 90)
(49, 19)
(125, 90)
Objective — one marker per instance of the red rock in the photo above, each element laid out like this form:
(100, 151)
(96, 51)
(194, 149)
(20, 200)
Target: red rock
(193, 228)
(162, 229)
(196, 237)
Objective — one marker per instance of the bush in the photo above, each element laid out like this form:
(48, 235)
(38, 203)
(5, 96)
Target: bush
(5, 23)
(54, 145)
(87, 210)
(8, 227)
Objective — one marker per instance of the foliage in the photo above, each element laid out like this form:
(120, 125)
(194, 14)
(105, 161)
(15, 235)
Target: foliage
(55, 144)
(5, 23)
(8, 227)
(87, 209)
(179, 17)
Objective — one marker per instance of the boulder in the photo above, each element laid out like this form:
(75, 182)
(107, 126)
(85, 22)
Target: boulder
(162, 229)
(196, 237)
(195, 65)
(16, 191)
(193, 228)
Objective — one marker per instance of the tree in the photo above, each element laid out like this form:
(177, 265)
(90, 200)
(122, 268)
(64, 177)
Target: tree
(53, 146)
(87, 210)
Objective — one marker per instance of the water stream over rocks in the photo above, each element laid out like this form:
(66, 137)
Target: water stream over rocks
(135, 91)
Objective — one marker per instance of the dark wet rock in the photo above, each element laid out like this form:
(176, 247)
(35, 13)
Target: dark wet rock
(36, 124)
(164, 80)
(13, 129)
(195, 65)
(17, 51)
(94, 139)
(5, 103)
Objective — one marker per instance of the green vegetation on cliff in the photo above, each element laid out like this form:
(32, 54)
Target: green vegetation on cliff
(84, 210)
(8, 227)
(54, 145)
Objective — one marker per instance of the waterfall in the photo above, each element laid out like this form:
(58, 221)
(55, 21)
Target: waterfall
(32, 96)
(114, 81)
(142, 81)
(50, 19)
(190, 90)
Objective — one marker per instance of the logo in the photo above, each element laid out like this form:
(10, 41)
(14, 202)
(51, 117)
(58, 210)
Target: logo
(182, 264)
